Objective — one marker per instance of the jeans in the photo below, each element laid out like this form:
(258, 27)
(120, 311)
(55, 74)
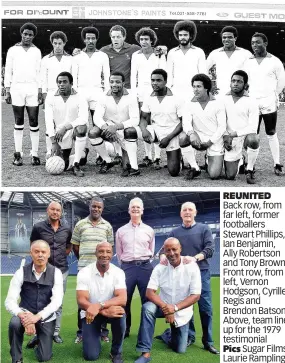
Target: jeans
(150, 312)
(205, 310)
(91, 334)
(59, 311)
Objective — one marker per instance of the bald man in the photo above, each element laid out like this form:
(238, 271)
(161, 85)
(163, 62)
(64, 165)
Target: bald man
(102, 295)
(180, 288)
(39, 286)
(197, 242)
(58, 236)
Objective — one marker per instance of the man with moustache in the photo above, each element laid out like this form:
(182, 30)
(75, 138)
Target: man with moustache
(197, 242)
(87, 234)
(115, 120)
(58, 237)
(184, 61)
(39, 286)
(161, 120)
(180, 289)
(101, 293)
(266, 77)
(227, 59)
(242, 123)
(135, 244)
(23, 90)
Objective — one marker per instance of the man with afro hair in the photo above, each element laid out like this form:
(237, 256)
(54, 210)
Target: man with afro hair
(184, 61)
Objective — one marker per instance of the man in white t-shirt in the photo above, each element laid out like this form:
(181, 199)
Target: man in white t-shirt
(102, 294)
(242, 122)
(266, 77)
(161, 120)
(180, 289)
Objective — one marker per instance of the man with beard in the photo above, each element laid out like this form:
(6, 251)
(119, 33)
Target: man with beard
(101, 293)
(58, 236)
(184, 61)
(242, 122)
(204, 124)
(180, 289)
(266, 77)
(88, 67)
(115, 119)
(135, 244)
(87, 234)
(22, 83)
(144, 61)
(66, 117)
(52, 64)
(161, 120)
(227, 59)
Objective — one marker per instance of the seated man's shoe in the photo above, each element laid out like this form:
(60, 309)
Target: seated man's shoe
(278, 169)
(19, 361)
(192, 173)
(105, 339)
(77, 171)
(105, 167)
(117, 358)
(33, 342)
(78, 339)
(35, 161)
(57, 339)
(211, 349)
(190, 342)
(143, 359)
(18, 161)
(145, 162)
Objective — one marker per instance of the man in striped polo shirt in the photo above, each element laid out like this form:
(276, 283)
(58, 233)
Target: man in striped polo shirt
(87, 234)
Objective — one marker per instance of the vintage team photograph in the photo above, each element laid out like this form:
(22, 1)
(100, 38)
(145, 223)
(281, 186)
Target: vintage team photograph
(142, 103)
(110, 276)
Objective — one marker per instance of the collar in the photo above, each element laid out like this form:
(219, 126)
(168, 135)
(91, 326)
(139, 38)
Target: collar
(85, 51)
(183, 225)
(168, 93)
(268, 55)
(135, 225)
(100, 221)
(53, 55)
(245, 94)
(179, 47)
(125, 92)
(125, 46)
(223, 50)
(171, 267)
(212, 98)
(48, 222)
(141, 52)
(34, 270)
(73, 92)
(97, 271)
(20, 45)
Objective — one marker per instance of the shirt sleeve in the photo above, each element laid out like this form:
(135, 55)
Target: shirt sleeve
(134, 72)
(50, 129)
(110, 235)
(11, 302)
(44, 75)
(195, 279)
(106, 71)
(119, 247)
(145, 106)
(35, 235)
(154, 279)
(170, 69)
(74, 70)
(253, 119)
(82, 118)
(82, 280)
(8, 68)
(280, 77)
(76, 235)
(120, 280)
(100, 113)
(222, 123)
(68, 240)
(134, 114)
(38, 70)
(162, 62)
(208, 243)
(57, 296)
(152, 243)
(210, 61)
(202, 67)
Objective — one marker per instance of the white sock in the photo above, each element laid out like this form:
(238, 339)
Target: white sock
(251, 157)
(79, 148)
(48, 145)
(18, 138)
(35, 139)
(118, 149)
(100, 147)
(147, 148)
(131, 149)
(189, 155)
(274, 147)
(157, 151)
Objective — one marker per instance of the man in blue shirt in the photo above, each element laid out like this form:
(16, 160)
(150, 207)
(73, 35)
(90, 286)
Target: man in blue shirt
(197, 242)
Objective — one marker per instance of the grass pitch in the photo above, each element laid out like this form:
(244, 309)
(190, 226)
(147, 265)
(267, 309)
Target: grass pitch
(37, 176)
(68, 352)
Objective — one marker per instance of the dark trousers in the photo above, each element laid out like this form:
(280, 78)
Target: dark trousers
(205, 310)
(45, 337)
(92, 336)
(136, 275)
(104, 330)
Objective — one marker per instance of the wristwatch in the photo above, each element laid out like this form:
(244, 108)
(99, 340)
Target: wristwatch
(176, 308)
(102, 305)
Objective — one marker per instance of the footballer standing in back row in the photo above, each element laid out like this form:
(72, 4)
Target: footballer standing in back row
(22, 82)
